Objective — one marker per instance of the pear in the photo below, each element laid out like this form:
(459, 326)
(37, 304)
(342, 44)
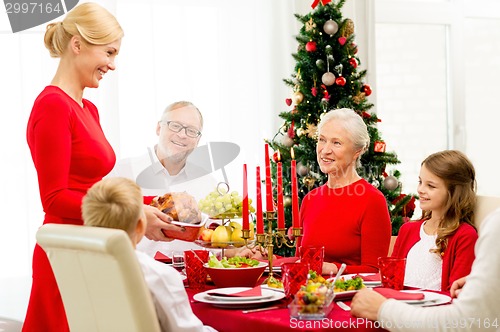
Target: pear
(221, 236)
(237, 237)
(235, 225)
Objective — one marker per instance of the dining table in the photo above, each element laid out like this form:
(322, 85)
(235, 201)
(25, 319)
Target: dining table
(276, 319)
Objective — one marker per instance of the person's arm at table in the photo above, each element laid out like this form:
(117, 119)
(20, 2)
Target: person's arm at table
(157, 221)
(456, 287)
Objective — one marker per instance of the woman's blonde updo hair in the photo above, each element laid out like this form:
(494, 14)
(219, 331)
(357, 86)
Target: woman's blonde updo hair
(93, 23)
(353, 124)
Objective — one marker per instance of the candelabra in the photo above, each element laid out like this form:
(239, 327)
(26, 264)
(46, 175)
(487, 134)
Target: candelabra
(266, 241)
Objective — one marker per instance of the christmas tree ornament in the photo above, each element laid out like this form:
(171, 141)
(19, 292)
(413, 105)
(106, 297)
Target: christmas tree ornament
(328, 78)
(375, 183)
(340, 81)
(379, 146)
(309, 181)
(347, 28)
(288, 101)
(342, 40)
(320, 64)
(310, 25)
(338, 68)
(316, 2)
(298, 97)
(300, 132)
(314, 91)
(366, 89)
(391, 183)
(311, 46)
(328, 49)
(353, 62)
(358, 98)
(276, 156)
(291, 131)
(287, 141)
(331, 27)
(302, 170)
(312, 130)
(287, 201)
(330, 58)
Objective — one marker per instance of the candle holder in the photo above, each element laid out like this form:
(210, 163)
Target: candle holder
(278, 238)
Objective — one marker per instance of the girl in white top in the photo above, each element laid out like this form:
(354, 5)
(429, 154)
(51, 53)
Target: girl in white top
(475, 307)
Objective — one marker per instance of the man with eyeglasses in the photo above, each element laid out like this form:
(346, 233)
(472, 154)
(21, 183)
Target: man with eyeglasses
(171, 166)
(179, 132)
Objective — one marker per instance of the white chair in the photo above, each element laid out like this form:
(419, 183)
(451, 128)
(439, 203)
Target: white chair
(99, 277)
(484, 206)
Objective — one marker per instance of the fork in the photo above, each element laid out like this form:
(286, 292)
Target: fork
(343, 306)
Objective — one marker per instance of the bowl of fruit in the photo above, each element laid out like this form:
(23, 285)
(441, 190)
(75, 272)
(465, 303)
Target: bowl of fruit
(224, 228)
(314, 300)
(235, 271)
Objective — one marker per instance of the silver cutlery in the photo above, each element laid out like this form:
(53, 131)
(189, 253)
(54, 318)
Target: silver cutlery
(261, 309)
(343, 306)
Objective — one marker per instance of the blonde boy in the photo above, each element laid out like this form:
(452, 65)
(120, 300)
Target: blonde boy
(117, 203)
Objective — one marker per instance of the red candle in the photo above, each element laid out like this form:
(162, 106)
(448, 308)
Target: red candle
(260, 220)
(295, 196)
(269, 185)
(281, 210)
(245, 199)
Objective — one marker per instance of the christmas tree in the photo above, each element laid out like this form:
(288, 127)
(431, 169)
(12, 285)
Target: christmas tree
(327, 77)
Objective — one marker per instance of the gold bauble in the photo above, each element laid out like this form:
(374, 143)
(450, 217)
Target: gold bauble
(287, 201)
(309, 181)
(298, 97)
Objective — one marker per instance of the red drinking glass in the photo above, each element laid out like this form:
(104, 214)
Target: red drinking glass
(392, 272)
(294, 275)
(313, 256)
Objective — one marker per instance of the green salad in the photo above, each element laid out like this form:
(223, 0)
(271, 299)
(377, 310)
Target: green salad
(233, 262)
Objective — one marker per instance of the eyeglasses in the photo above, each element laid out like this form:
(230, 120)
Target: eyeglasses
(177, 127)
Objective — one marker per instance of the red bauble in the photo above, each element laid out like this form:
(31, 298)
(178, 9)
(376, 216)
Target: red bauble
(340, 81)
(342, 40)
(311, 46)
(367, 90)
(288, 101)
(314, 91)
(353, 62)
(276, 156)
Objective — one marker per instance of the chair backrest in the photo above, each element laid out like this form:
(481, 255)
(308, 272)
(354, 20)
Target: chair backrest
(484, 206)
(100, 280)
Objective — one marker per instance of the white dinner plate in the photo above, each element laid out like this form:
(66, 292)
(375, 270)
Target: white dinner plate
(430, 298)
(231, 290)
(345, 295)
(367, 283)
(265, 286)
(231, 304)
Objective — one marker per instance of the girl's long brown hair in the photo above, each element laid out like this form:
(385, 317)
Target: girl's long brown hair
(459, 176)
